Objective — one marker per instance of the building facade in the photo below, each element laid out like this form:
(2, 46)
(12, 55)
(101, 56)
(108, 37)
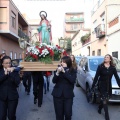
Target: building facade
(34, 24)
(74, 21)
(12, 27)
(78, 47)
(113, 27)
(105, 28)
(98, 29)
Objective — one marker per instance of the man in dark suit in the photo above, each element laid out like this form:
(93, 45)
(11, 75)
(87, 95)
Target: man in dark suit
(9, 81)
(64, 80)
(27, 81)
(38, 82)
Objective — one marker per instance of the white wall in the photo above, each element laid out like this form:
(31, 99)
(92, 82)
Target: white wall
(113, 43)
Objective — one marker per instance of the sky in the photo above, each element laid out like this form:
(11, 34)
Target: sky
(56, 10)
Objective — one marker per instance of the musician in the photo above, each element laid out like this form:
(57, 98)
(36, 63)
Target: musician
(38, 82)
(9, 81)
(64, 80)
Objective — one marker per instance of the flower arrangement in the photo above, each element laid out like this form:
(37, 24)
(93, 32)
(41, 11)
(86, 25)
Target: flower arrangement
(44, 53)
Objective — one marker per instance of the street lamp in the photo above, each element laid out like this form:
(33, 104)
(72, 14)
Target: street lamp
(63, 43)
(23, 44)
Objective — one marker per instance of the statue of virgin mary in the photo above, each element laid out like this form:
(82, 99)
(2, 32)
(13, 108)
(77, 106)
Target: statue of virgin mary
(44, 30)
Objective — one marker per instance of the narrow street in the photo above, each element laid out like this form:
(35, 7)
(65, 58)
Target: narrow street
(81, 109)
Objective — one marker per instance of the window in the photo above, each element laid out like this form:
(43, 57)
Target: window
(20, 28)
(81, 26)
(99, 52)
(3, 15)
(86, 64)
(94, 26)
(82, 63)
(29, 33)
(3, 51)
(81, 16)
(74, 26)
(11, 55)
(13, 19)
(93, 53)
(114, 22)
(115, 54)
(15, 56)
(20, 56)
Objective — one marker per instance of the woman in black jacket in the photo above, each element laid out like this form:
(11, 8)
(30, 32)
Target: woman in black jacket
(64, 80)
(103, 76)
(9, 81)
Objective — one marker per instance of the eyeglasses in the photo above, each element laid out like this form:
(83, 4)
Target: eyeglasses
(7, 63)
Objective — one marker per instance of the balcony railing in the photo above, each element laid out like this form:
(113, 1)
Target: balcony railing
(21, 34)
(75, 20)
(100, 31)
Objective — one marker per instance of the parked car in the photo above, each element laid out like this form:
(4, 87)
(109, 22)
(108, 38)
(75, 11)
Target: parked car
(78, 58)
(16, 62)
(86, 72)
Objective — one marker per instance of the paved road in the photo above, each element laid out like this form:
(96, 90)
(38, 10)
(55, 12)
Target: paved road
(81, 109)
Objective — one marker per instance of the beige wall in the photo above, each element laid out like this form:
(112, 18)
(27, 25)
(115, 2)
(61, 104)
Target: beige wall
(113, 43)
(98, 43)
(113, 11)
(9, 45)
(113, 32)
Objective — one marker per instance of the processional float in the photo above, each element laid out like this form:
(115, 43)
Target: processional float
(40, 56)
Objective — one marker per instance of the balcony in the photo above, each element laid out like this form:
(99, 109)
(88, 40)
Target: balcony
(21, 34)
(74, 20)
(86, 41)
(100, 31)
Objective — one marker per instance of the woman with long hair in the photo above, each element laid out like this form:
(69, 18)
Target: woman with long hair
(64, 79)
(74, 64)
(9, 81)
(44, 30)
(103, 77)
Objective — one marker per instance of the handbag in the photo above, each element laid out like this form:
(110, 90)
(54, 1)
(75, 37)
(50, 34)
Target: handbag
(94, 95)
(97, 95)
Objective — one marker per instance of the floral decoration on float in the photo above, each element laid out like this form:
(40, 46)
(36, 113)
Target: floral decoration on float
(41, 52)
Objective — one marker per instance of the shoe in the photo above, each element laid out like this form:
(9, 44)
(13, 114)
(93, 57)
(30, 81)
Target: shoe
(47, 89)
(39, 105)
(107, 117)
(99, 110)
(28, 93)
(45, 92)
(25, 89)
(35, 101)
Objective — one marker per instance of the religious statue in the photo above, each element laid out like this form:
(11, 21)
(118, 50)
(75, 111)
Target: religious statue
(44, 29)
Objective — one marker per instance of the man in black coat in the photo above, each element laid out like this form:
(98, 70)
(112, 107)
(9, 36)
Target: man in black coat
(38, 82)
(9, 81)
(27, 81)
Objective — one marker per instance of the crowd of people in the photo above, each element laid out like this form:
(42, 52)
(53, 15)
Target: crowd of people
(64, 79)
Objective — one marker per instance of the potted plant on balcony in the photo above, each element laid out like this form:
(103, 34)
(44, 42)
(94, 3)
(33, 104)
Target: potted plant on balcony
(84, 38)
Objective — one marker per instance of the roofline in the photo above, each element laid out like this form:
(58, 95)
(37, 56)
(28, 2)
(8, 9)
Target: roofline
(78, 32)
(18, 11)
(75, 34)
